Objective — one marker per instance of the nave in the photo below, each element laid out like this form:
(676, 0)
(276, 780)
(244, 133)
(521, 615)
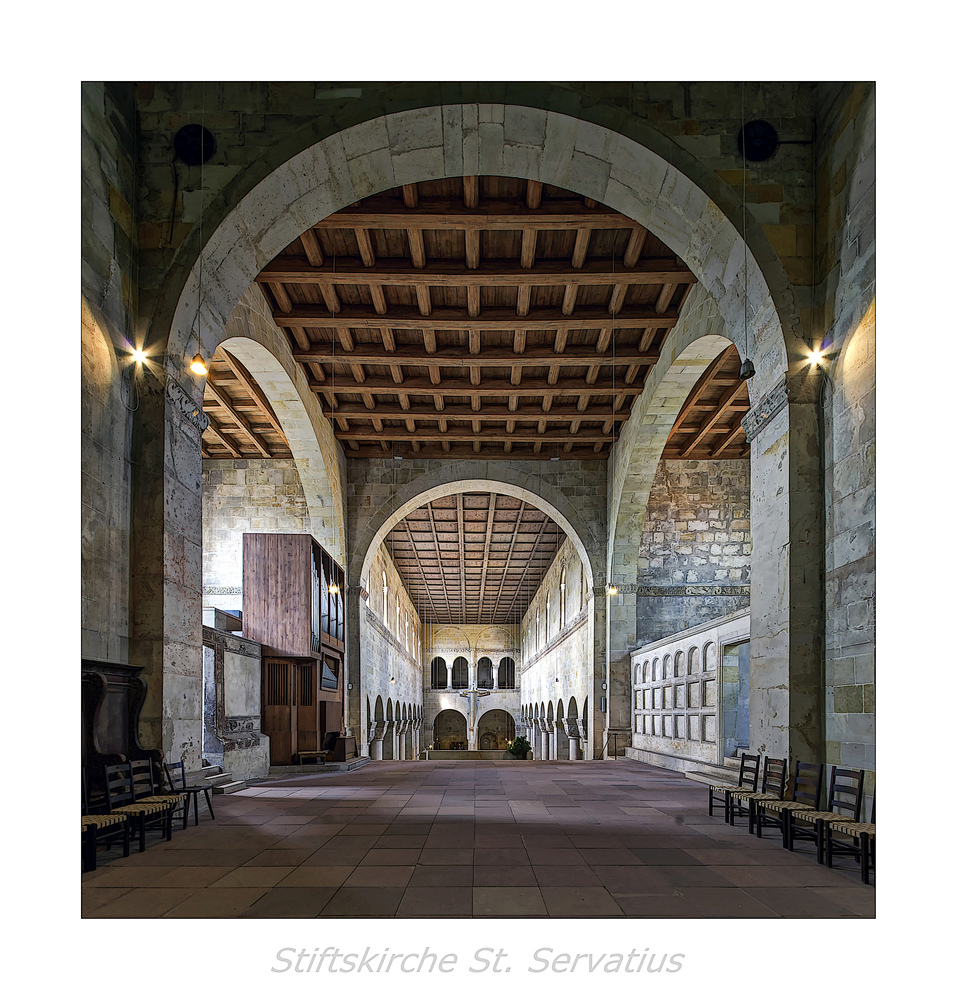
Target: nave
(460, 839)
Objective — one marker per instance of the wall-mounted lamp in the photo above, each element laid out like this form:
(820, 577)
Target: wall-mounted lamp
(198, 366)
(815, 358)
(139, 356)
(747, 369)
(333, 588)
(611, 590)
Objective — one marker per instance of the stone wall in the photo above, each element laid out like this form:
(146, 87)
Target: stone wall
(388, 651)
(558, 641)
(845, 326)
(244, 495)
(108, 393)
(694, 562)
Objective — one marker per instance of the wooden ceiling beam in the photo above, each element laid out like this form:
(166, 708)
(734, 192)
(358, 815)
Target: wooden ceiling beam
(223, 438)
(252, 387)
(426, 433)
(713, 417)
(701, 386)
(446, 214)
(572, 386)
(247, 428)
(310, 245)
(447, 273)
(461, 411)
(636, 242)
(736, 431)
(359, 317)
(488, 357)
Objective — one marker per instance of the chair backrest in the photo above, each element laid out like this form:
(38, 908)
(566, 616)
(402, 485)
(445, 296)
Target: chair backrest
(775, 777)
(808, 779)
(175, 770)
(119, 785)
(846, 794)
(749, 771)
(141, 772)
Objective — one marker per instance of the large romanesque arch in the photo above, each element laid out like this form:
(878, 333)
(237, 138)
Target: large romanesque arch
(451, 140)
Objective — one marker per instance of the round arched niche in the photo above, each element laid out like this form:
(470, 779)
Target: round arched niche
(496, 728)
(450, 731)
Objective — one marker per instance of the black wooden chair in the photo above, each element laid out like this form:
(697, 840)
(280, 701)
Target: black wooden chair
(805, 794)
(93, 826)
(747, 782)
(121, 798)
(773, 783)
(863, 837)
(147, 789)
(844, 799)
(190, 791)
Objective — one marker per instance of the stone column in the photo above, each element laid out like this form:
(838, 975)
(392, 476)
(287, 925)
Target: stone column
(166, 560)
(787, 530)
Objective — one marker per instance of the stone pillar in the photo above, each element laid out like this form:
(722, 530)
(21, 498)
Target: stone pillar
(787, 599)
(166, 560)
(354, 699)
(573, 748)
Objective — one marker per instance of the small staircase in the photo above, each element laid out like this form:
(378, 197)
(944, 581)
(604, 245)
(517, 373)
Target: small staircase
(220, 780)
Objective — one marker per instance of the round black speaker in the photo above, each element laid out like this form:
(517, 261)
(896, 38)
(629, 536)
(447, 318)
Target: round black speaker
(194, 144)
(758, 140)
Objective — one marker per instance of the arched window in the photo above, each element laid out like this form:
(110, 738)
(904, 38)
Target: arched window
(506, 673)
(484, 672)
(440, 677)
(385, 599)
(561, 601)
(460, 673)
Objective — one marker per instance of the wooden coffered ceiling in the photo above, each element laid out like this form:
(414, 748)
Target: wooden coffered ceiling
(474, 557)
(242, 423)
(477, 315)
(708, 425)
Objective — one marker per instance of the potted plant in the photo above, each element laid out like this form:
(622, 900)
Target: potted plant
(519, 748)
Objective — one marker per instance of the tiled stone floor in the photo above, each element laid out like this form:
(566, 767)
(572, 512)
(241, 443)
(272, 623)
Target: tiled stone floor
(442, 839)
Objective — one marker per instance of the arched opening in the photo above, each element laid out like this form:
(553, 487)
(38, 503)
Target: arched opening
(450, 731)
(506, 673)
(484, 672)
(235, 254)
(440, 674)
(496, 728)
(460, 673)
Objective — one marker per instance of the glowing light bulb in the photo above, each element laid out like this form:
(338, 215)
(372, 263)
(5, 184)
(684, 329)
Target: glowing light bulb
(198, 366)
(816, 357)
(612, 590)
(139, 356)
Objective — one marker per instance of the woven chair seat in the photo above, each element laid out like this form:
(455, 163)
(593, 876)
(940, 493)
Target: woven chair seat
(730, 788)
(165, 797)
(109, 819)
(813, 815)
(755, 796)
(854, 829)
(783, 805)
(143, 808)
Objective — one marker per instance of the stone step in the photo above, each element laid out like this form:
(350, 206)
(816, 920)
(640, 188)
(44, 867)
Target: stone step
(228, 787)
(714, 774)
(330, 768)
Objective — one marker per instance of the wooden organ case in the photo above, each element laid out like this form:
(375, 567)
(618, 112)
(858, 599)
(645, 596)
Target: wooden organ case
(294, 604)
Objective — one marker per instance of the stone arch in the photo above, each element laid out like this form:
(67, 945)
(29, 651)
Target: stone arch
(491, 477)
(379, 712)
(496, 726)
(251, 336)
(449, 726)
(451, 140)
